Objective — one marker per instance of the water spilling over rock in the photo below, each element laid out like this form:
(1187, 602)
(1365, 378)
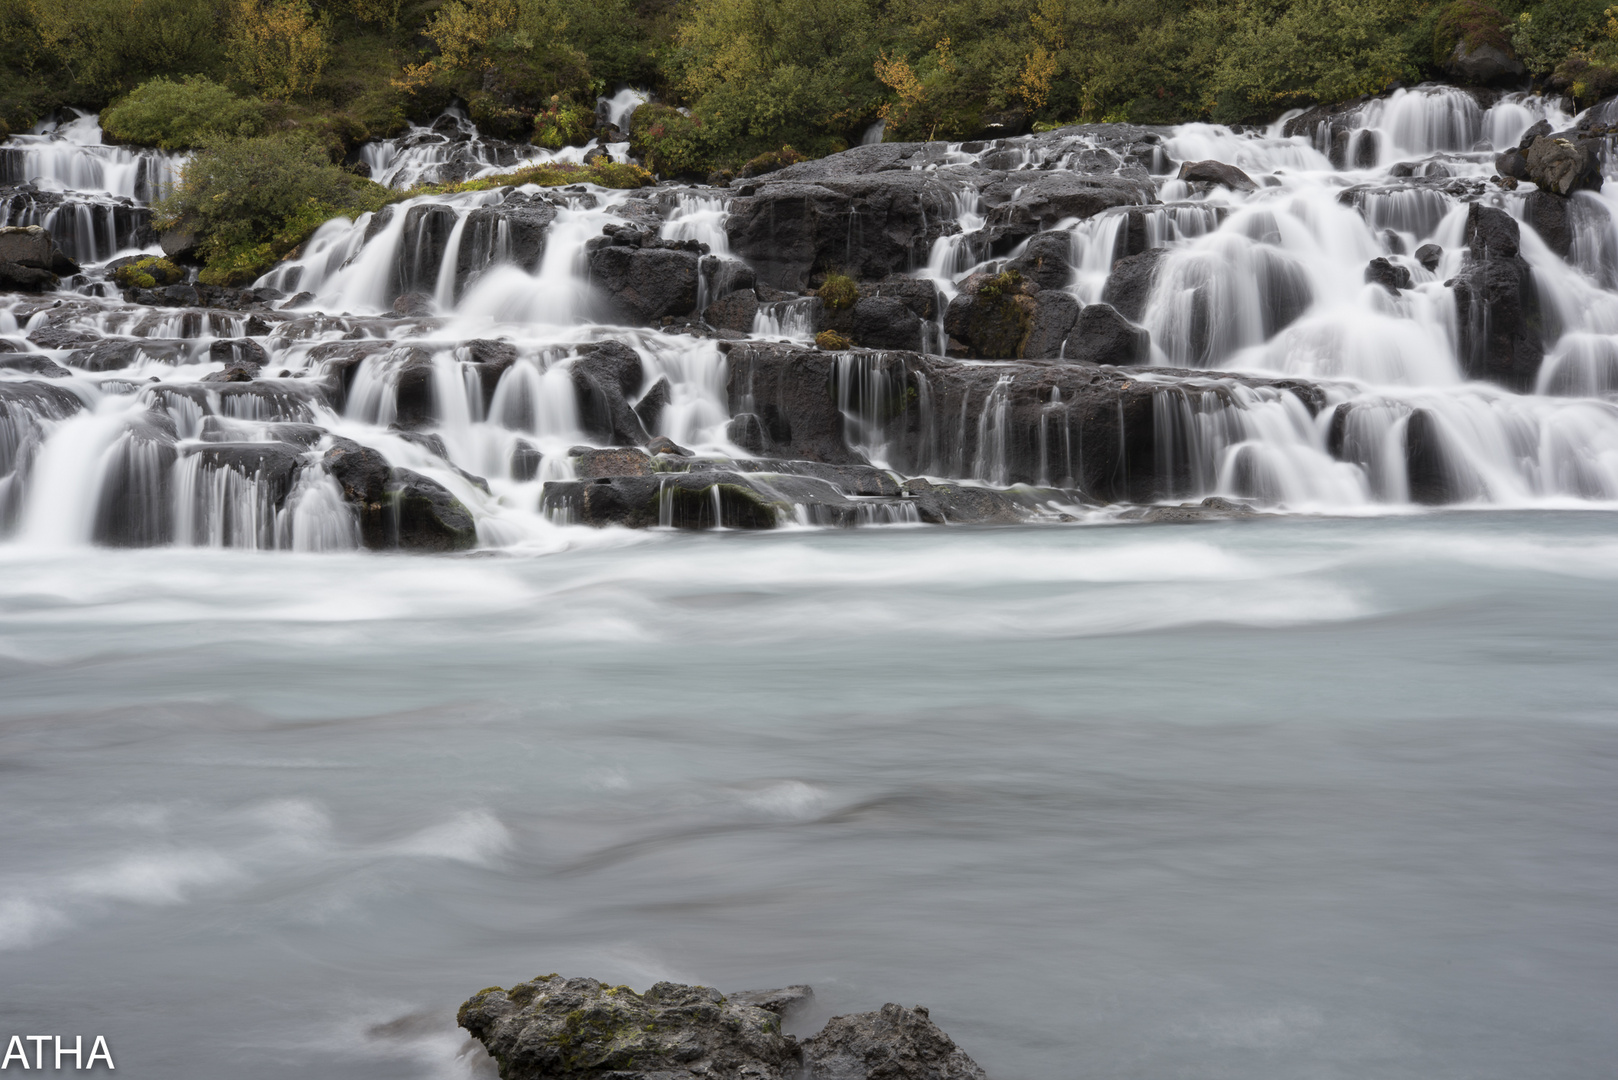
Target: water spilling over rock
(1409, 300)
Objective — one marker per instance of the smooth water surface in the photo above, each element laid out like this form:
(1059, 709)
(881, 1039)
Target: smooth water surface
(1267, 799)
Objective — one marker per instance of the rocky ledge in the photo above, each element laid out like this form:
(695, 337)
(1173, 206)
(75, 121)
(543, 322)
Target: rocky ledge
(555, 1027)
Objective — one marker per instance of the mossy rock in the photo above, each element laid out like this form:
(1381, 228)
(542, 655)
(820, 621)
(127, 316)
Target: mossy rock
(838, 291)
(772, 161)
(148, 273)
(832, 341)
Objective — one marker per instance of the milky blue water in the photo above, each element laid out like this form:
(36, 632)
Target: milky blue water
(1289, 798)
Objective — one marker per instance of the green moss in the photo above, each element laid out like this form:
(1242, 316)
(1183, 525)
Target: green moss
(838, 291)
(619, 175)
(772, 161)
(1006, 283)
(148, 273)
(832, 341)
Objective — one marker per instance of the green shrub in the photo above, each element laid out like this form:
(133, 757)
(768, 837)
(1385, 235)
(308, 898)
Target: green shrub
(669, 142)
(1471, 23)
(252, 200)
(838, 291)
(563, 123)
(1547, 34)
(180, 115)
(148, 273)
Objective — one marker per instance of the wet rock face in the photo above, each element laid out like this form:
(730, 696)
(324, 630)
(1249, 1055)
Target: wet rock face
(1561, 167)
(554, 1027)
(865, 226)
(1130, 284)
(641, 286)
(1497, 304)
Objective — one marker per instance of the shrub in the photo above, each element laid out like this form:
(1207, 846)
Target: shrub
(838, 291)
(832, 341)
(1473, 24)
(563, 123)
(668, 141)
(1547, 34)
(148, 273)
(180, 115)
(277, 46)
(253, 200)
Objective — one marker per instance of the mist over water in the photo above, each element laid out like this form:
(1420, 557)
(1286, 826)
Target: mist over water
(1296, 797)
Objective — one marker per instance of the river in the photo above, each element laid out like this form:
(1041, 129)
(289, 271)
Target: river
(1289, 797)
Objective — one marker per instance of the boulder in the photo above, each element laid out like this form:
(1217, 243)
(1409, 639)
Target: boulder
(34, 364)
(243, 358)
(1390, 275)
(27, 245)
(652, 403)
(525, 461)
(1102, 336)
(1054, 315)
(893, 1043)
(863, 225)
(513, 230)
(1024, 203)
(1561, 167)
(419, 514)
(554, 1028)
(733, 312)
(115, 354)
(1497, 304)
(1216, 172)
(360, 471)
(1428, 255)
(642, 286)
(605, 375)
(1513, 163)
(1047, 260)
(1550, 216)
(1484, 64)
(1129, 286)
(884, 322)
(180, 242)
(413, 305)
(15, 277)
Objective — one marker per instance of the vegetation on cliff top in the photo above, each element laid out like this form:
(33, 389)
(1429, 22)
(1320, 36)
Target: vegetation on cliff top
(290, 87)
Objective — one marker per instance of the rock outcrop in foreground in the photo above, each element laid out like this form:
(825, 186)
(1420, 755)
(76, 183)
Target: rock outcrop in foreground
(580, 1029)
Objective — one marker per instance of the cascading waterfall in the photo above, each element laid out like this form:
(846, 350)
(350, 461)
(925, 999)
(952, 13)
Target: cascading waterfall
(461, 332)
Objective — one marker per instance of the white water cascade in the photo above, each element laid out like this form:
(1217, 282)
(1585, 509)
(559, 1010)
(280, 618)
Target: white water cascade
(462, 337)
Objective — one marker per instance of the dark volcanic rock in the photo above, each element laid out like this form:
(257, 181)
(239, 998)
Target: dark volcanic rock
(1561, 167)
(1054, 316)
(1391, 276)
(1429, 255)
(866, 226)
(1130, 284)
(1072, 425)
(1102, 336)
(1549, 216)
(554, 1027)
(1497, 304)
(1217, 172)
(1032, 203)
(893, 1043)
(605, 375)
(885, 322)
(421, 515)
(733, 312)
(641, 286)
(1047, 261)
(360, 471)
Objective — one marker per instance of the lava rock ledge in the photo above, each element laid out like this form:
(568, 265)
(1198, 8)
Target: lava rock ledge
(580, 1029)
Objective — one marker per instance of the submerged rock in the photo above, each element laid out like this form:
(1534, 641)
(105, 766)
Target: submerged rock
(554, 1028)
